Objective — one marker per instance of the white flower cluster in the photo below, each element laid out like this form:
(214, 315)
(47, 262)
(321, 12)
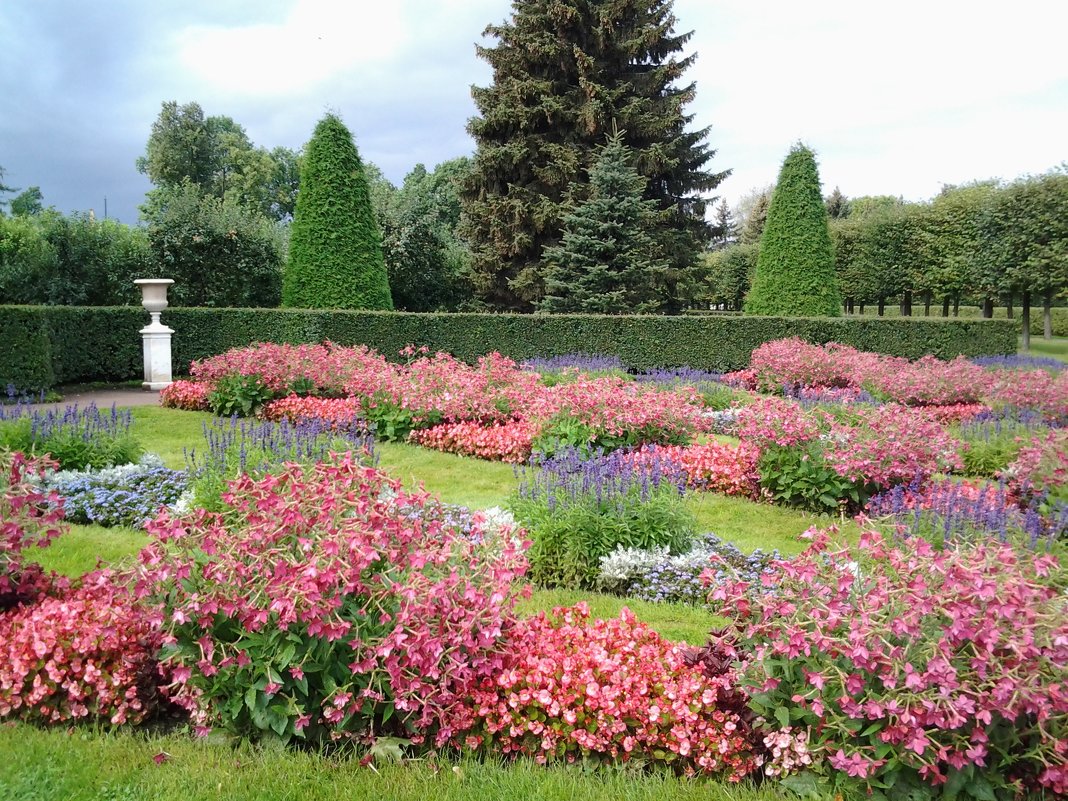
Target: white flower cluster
(789, 752)
(624, 567)
(115, 476)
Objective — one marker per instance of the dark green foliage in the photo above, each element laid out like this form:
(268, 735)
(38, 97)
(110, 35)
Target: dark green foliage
(608, 261)
(800, 477)
(25, 351)
(427, 263)
(218, 252)
(795, 269)
(89, 344)
(565, 74)
(727, 275)
(73, 260)
(28, 202)
(241, 395)
(335, 252)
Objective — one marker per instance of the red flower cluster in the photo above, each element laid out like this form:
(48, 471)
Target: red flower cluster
(502, 442)
(297, 407)
(90, 653)
(900, 659)
(609, 690)
(713, 466)
(189, 395)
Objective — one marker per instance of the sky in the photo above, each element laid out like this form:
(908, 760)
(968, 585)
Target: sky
(895, 98)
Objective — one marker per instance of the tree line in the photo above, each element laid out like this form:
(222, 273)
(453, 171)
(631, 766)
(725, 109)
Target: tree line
(987, 243)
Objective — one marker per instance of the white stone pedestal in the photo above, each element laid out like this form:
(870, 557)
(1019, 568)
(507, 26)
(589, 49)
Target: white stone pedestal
(157, 341)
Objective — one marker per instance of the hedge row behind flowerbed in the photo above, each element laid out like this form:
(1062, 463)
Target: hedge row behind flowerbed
(42, 346)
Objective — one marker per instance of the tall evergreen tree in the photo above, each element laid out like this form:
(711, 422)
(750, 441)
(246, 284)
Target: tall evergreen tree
(335, 248)
(795, 269)
(606, 263)
(724, 228)
(756, 218)
(565, 73)
(837, 205)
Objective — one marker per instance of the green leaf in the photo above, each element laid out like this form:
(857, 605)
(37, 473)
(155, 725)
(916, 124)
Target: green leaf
(805, 785)
(782, 714)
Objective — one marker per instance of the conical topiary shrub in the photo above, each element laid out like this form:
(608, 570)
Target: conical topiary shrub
(335, 249)
(795, 269)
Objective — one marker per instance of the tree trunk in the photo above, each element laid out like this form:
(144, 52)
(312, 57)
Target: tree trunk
(882, 306)
(906, 303)
(1008, 308)
(849, 306)
(862, 309)
(945, 306)
(1047, 314)
(956, 305)
(1025, 320)
(988, 308)
(927, 303)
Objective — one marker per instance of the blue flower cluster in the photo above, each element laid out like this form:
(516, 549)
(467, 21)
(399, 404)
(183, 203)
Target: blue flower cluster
(945, 512)
(657, 575)
(129, 495)
(586, 362)
(1018, 362)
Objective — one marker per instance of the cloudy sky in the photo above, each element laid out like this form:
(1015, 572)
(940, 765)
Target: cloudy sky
(899, 99)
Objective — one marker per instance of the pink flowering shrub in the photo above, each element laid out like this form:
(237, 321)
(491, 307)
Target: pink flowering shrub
(610, 412)
(89, 653)
(576, 689)
(713, 467)
(319, 604)
(1040, 390)
(1041, 467)
(189, 395)
(794, 363)
(324, 368)
(29, 518)
(888, 445)
(295, 408)
(776, 421)
(927, 381)
(500, 442)
(906, 664)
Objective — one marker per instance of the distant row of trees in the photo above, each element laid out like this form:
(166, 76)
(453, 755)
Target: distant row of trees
(986, 243)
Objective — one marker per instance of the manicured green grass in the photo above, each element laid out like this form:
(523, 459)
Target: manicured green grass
(76, 552)
(169, 432)
(679, 622)
(474, 483)
(83, 765)
(1056, 347)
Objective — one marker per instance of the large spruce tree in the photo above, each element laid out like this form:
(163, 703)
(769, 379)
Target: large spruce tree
(335, 248)
(795, 269)
(565, 74)
(607, 262)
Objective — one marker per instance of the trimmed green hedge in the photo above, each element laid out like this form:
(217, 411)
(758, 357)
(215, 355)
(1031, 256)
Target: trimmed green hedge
(46, 345)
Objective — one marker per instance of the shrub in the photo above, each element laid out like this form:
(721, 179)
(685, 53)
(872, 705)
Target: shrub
(219, 252)
(40, 346)
(75, 438)
(503, 442)
(312, 607)
(908, 665)
(795, 266)
(578, 510)
(189, 395)
(238, 395)
(612, 691)
(88, 654)
(29, 518)
(335, 251)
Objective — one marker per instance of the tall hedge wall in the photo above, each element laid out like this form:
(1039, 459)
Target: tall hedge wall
(46, 345)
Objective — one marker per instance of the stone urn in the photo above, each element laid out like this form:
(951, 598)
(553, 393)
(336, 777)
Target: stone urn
(156, 336)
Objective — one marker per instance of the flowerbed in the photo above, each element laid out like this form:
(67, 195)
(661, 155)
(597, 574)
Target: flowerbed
(909, 667)
(576, 689)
